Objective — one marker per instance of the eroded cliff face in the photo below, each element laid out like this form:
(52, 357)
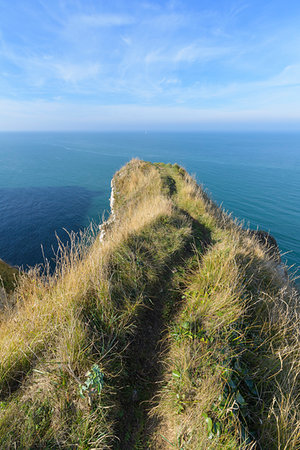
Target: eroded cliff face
(105, 226)
(7, 276)
(8, 280)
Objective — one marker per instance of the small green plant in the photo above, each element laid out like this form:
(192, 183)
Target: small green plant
(186, 331)
(93, 384)
(213, 429)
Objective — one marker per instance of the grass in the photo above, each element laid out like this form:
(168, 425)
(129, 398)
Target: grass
(232, 370)
(177, 330)
(8, 276)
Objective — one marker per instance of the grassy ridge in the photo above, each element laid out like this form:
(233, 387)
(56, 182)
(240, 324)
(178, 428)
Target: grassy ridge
(84, 315)
(232, 371)
(177, 330)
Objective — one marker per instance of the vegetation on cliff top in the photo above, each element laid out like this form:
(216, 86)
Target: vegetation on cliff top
(177, 330)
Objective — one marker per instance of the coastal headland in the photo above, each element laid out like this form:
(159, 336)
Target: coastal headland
(171, 327)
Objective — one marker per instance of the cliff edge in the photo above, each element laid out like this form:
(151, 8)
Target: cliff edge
(172, 327)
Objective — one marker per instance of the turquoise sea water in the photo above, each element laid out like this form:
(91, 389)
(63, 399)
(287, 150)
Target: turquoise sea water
(52, 181)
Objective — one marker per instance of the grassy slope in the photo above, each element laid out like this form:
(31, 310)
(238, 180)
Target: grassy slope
(232, 372)
(184, 316)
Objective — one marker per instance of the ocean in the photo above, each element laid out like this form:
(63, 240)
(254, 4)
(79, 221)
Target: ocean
(52, 183)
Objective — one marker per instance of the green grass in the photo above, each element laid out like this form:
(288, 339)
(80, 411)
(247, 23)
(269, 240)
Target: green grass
(232, 377)
(175, 331)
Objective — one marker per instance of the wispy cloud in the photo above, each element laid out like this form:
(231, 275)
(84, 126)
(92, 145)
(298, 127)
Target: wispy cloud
(75, 73)
(192, 53)
(104, 20)
(290, 76)
(219, 57)
(196, 52)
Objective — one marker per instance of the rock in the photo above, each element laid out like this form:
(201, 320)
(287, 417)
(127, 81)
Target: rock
(105, 226)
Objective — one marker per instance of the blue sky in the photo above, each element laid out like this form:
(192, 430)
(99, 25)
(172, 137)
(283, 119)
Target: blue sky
(124, 65)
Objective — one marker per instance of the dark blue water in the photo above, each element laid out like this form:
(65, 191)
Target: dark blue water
(52, 181)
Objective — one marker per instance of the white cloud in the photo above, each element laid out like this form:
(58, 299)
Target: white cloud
(191, 53)
(158, 53)
(127, 40)
(170, 81)
(104, 20)
(195, 52)
(288, 77)
(75, 73)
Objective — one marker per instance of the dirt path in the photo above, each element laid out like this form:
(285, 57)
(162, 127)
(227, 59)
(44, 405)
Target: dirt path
(143, 362)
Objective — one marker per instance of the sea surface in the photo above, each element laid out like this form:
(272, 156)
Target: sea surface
(51, 183)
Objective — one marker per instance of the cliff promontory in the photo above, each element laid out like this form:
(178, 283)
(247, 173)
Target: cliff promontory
(172, 327)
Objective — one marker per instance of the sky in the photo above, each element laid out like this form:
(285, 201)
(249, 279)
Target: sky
(142, 65)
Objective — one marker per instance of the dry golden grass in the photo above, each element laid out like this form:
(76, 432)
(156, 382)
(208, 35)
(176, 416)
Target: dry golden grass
(46, 340)
(238, 308)
(237, 326)
(44, 306)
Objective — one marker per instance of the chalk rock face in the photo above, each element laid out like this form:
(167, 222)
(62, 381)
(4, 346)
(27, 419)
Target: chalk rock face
(104, 227)
(112, 196)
